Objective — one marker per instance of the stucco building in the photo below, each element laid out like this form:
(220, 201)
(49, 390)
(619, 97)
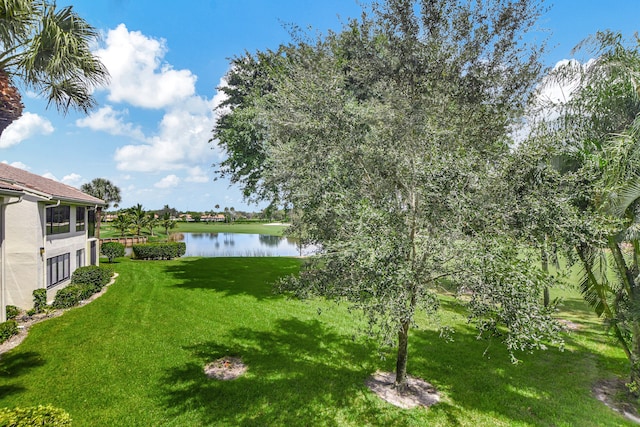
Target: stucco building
(47, 230)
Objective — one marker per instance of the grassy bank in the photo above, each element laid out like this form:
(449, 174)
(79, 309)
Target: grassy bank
(135, 357)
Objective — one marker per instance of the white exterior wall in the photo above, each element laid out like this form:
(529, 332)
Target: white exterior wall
(23, 239)
(25, 265)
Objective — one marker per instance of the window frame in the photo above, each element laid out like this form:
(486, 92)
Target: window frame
(58, 219)
(58, 269)
(80, 218)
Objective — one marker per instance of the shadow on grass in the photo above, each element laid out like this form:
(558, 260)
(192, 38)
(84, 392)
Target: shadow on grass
(300, 373)
(232, 276)
(12, 366)
(477, 375)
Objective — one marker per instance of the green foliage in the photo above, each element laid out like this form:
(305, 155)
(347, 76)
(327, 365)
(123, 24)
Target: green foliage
(69, 296)
(12, 312)
(40, 415)
(8, 329)
(103, 189)
(40, 300)
(167, 250)
(112, 250)
(92, 274)
(384, 138)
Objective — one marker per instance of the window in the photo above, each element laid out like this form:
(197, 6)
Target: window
(80, 258)
(91, 219)
(57, 269)
(58, 219)
(80, 218)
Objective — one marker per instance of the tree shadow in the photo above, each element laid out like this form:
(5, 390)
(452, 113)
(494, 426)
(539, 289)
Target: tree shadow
(475, 374)
(13, 365)
(232, 276)
(299, 372)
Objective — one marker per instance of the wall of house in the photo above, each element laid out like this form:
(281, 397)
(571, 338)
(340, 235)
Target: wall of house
(27, 248)
(23, 262)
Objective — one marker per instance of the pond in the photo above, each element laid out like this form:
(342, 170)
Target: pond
(236, 244)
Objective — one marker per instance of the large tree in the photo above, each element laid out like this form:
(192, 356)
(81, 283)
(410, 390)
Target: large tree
(103, 189)
(46, 49)
(384, 138)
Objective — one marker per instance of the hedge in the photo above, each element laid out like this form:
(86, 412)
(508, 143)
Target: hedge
(34, 416)
(85, 282)
(92, 274)
(167, 250)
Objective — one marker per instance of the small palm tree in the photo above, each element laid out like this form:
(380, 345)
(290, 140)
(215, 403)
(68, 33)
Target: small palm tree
(167, 223)
(152, 222)
(139, 218)
(47, 50)
(122, 223)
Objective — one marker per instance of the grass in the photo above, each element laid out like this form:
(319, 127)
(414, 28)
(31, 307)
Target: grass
(106, 229)
(135, 357)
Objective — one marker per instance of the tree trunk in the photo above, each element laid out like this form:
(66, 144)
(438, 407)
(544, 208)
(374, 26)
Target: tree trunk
(545, 267)
(403, 353)
(10, 102)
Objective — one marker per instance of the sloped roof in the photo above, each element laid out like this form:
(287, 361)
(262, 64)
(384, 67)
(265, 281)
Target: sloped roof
(16, 179)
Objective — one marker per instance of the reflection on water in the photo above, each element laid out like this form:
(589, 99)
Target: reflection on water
(235, 244)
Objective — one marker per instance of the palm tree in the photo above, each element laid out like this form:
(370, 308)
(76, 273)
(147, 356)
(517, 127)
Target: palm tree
(138, 217)
(122, 223)
(598, 138)
(167, 223)
(47, 50)
(152, 222)
(103, 189)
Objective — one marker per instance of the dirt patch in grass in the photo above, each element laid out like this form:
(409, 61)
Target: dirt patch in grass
(25, 322)
(615, 394)
(226, 368)
(418, 392)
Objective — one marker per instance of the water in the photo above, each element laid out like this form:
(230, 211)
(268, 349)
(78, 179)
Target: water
(236, 244)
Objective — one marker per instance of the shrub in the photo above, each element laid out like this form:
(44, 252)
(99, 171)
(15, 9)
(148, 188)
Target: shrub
(68, 297)
(166, 250)
(40, 300)
(112, 250)
(92, 274)
(7, 330)
(12, 312)
(34, 416)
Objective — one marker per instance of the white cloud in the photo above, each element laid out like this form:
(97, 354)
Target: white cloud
(24, 128)
(72, 179)
(168, 181)
(50, 176)
(18, 165)
(138, 74)
(181, 143)
(108, 120)
(197, 174)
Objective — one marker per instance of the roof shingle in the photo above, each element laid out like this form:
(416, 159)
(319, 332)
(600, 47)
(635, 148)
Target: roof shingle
(18, 179)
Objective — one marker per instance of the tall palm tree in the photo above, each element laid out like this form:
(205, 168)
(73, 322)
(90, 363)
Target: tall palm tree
(46, 50)
(103, 189)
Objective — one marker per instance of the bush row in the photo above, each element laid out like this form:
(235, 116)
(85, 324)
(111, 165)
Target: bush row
(85, 282)
(167, 250)
(34, 416)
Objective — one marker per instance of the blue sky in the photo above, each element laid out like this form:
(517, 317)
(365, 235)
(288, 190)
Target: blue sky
(150, 133)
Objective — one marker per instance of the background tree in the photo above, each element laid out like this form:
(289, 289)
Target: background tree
(138, 218)
(152, 222)
(167, 223)
(47, 50)
(593, 142)
(383, 138)
(122, 222)
(103, 189)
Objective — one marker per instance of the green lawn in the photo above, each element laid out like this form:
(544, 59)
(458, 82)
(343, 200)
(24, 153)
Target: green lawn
(135, 357)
